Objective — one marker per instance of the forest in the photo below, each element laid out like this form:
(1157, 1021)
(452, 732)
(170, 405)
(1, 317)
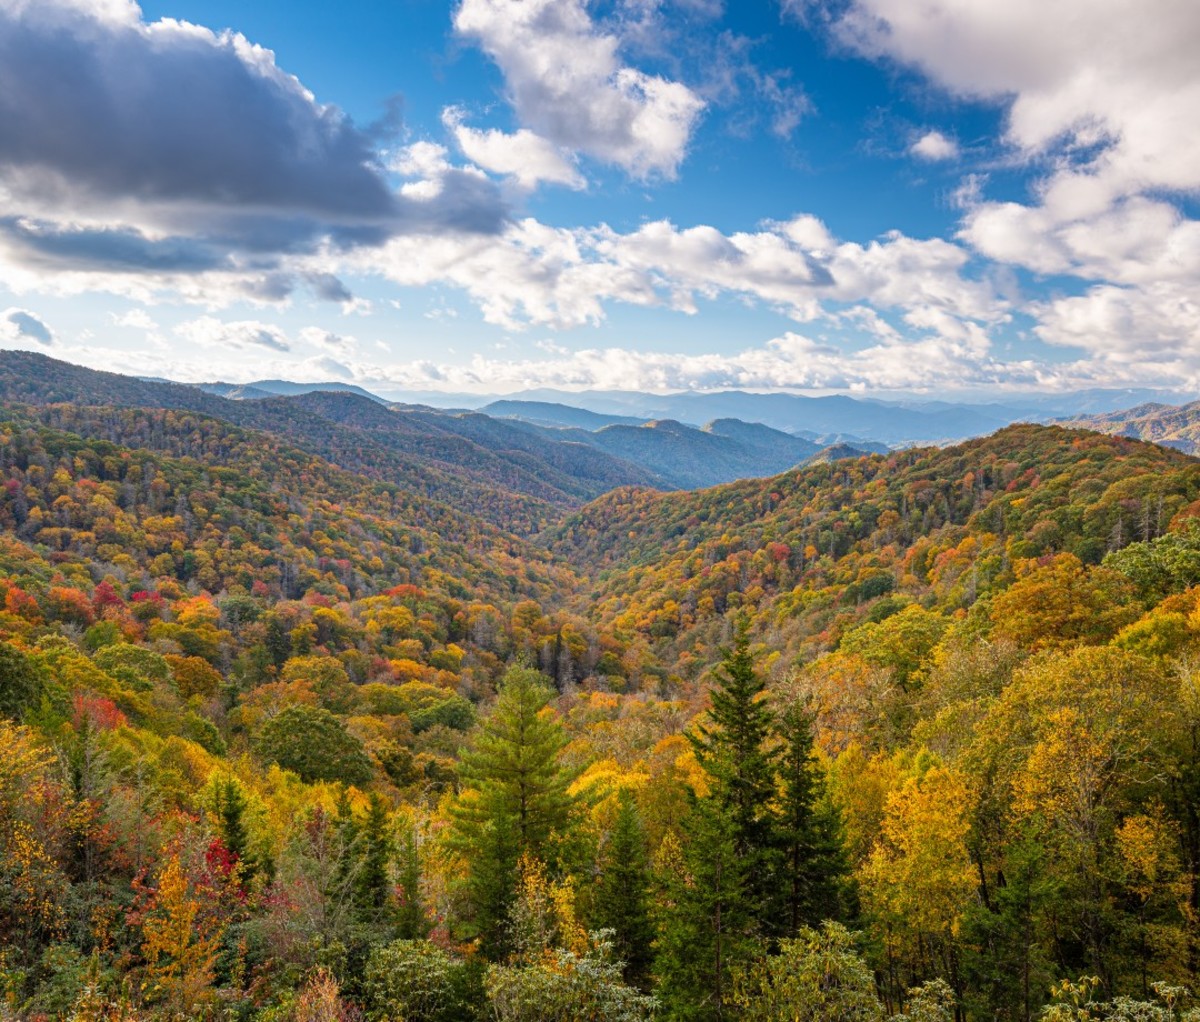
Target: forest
(908, 736)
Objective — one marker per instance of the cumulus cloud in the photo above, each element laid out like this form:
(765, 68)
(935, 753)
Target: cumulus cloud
(1122, 324)
(523, 156)
(1114, 78)
(794, 361)
(568, 85)
(246, 334)
(21, 328)
(135, 319)
(534, 274)
(1103, 94)
(165, 149)
(934, 146)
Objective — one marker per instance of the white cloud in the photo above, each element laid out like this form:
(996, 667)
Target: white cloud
(555, 277)
(246, 334)
(1103, 93)
(21, 328)
(141, 157)
(791, 361)
(934, 146)
(568, 85)
(1158, 323)
(527, 158)
(328, 341)
(135, 319)
(1120, 74)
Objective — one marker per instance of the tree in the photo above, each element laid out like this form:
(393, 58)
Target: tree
(566, 987)
(181, 941)
(817, 976)
(621, 894)
(720, 897)
(733, 749)
(373, 886)
(229, 803)
(811, 861)
(21, 683)
(515, 800)
(316, 745)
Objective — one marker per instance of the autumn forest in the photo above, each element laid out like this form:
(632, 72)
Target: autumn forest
(312, 709)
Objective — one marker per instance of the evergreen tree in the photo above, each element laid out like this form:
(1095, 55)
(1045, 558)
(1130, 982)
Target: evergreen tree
(735, 751)
(410, 922)
(810, 860)
(707, 926)
(723, 895)
(514, 802)
(621, 895)
(372, 884)
(230, 805)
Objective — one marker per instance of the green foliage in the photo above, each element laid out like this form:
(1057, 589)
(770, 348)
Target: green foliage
(1164, 565)
(566, 988)
(816, 976)
(414, 979)
(622, 893)
(314, 744)
(514, 800)
(21, 682)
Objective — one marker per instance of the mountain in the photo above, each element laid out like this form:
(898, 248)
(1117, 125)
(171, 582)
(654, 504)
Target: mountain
(1175, 426)
(232, 391)
(286, 388)
(836, 452)
(497, 471)
(782, 447)
(254, 702)
(549, 413)
(668, 566)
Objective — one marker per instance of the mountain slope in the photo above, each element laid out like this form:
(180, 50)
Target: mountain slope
(1176, 426)
(942, 526)
(551, 413)
(428, 453)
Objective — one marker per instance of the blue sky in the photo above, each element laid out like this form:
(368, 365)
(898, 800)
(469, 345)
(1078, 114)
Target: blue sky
(854, 195)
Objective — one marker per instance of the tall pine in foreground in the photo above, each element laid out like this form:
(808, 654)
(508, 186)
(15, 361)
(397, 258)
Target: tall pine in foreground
(811, 866)
(622, 894)
(720, 897)
(514, 801)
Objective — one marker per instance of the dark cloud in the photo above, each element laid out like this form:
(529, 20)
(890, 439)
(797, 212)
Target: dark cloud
(170, 129)
(328, 288)
(105, 249)
(17, 325)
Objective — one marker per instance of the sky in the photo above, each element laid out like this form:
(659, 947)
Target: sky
(867, 196)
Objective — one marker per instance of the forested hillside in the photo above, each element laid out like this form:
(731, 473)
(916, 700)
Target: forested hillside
(1175, 426)
(289, 736)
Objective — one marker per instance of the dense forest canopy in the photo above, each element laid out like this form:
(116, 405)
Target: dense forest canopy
(910, 735)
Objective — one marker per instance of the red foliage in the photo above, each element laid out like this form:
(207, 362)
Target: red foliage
(99, 712)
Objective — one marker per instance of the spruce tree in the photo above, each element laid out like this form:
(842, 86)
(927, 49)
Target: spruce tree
(372, 892)
(725, 892)
(230, 806)
(811, 865)
(707, 922)
(411, 923)
(622, 893)
(515, 800)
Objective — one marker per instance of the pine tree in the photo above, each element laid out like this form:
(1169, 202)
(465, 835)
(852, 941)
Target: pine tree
(621, 895)
(230, 805)
(372, 884)
(515, 800)
(724, 894)
(811, 863)
(706, 923)
(411, 923)
(735, 751)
